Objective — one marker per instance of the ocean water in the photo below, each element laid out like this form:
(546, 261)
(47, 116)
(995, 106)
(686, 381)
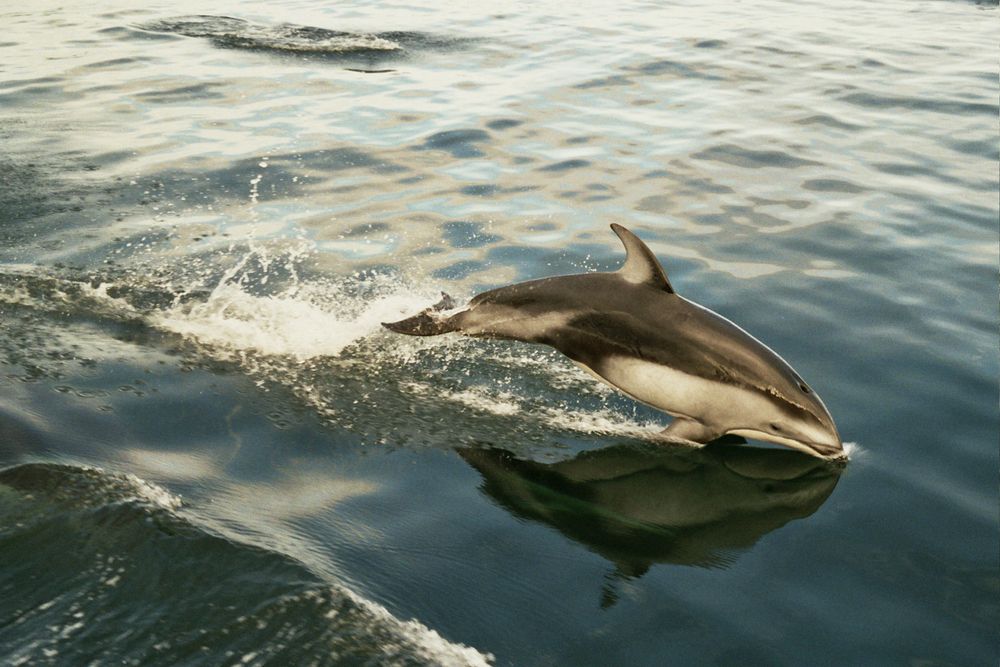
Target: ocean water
(211, 453)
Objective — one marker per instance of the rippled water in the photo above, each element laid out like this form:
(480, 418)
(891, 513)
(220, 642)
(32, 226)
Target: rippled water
(211, 453)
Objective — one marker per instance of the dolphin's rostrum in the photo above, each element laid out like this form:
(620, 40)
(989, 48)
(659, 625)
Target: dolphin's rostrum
(633, 331)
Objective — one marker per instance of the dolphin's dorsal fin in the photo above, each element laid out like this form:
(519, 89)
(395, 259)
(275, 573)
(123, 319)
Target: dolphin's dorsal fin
(641, 265)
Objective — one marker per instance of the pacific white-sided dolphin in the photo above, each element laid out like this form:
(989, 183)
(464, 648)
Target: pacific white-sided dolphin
(633, 331)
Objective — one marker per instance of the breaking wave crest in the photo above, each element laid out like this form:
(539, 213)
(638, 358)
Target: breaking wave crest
(237, 33)
(114, 551)
(234, 33)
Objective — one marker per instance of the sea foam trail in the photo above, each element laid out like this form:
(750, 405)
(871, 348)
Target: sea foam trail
(600, 421)
(289, 324)
(296, 333)
(310, 322)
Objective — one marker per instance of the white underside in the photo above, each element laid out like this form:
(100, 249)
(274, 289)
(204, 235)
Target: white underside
(715, 404)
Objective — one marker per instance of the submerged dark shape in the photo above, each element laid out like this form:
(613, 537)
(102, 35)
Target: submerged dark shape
(637, 505)
(234, 33)
(631, 330)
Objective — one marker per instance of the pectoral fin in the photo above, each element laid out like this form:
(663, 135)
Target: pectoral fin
(689, 429)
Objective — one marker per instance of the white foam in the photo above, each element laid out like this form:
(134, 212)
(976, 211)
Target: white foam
(58, 294)
(115, 305)
(853, 451)
(135, 487)
(289, 324)
(502, 404)
(153, 493)
(558, 372)
(602, 422)
(597, 421)
(427, 643)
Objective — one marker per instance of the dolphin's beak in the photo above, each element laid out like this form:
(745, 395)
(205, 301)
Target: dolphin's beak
(831, 449)
(825, 449)
(825, 443)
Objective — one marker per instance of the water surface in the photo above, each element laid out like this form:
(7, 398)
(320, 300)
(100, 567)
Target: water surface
(211, 453)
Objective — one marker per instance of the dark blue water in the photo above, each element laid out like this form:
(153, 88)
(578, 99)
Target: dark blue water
(211, 453)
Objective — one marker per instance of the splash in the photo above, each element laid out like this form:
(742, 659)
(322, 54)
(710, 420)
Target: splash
(262, 305)
(603, 421)
(853, 451)
(322, 339)
(503, 403)
(288, 324)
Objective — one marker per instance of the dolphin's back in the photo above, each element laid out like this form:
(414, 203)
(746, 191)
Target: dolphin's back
(595, 315)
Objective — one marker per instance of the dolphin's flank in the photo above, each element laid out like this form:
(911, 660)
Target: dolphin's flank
(633, 331)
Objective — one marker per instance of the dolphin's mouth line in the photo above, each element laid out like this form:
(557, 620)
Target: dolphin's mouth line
(826, 452)
(819, 450)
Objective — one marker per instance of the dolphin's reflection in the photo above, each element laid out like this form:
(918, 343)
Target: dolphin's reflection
(637, 505)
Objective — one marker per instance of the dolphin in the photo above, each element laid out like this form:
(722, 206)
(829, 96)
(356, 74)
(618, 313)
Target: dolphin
(631, 330)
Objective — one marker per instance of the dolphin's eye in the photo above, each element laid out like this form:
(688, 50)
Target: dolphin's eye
(775, 428)
(804, 388)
